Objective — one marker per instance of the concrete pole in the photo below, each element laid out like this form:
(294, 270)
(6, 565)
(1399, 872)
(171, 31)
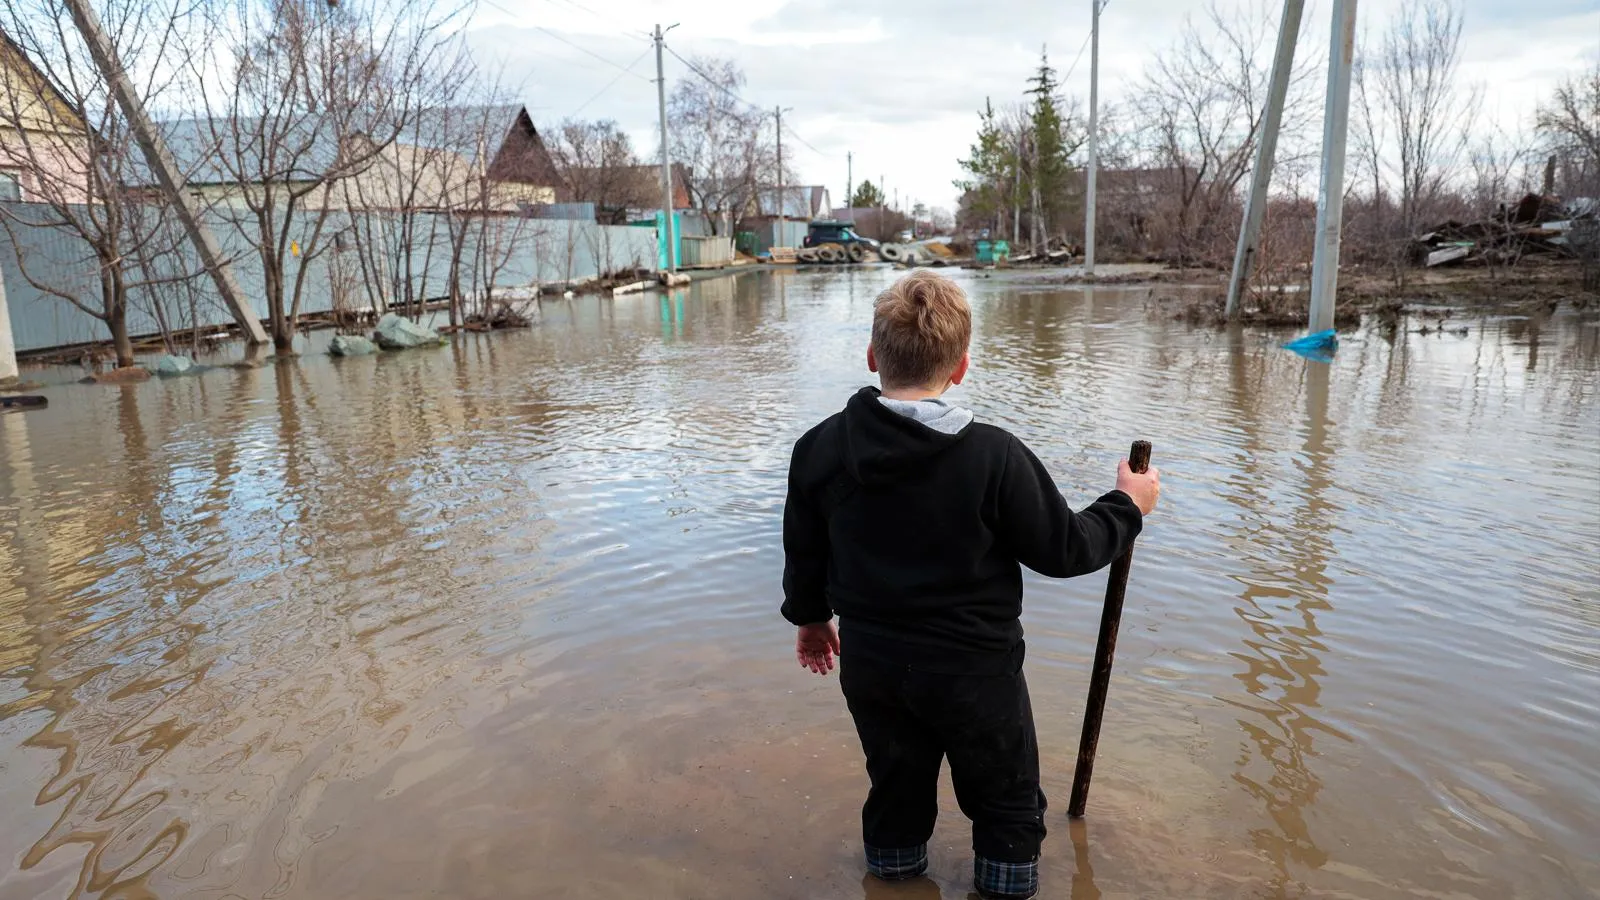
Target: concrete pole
(1330, 203)
(165, 170)
(777, 112)
(1016, 198)
(1244, 256)
(666, 165)
(1094, 140)
(849, 182)
(8, 349)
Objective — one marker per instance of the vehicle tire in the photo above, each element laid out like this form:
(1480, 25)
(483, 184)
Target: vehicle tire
(828, 253)
(890, 252)
(806, 255)
(856, 252)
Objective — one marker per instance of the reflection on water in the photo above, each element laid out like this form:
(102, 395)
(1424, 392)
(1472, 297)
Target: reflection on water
(1285, 588)
(499, 619)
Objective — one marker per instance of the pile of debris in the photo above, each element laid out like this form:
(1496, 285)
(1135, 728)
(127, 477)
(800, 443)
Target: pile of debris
(931, 252)
(1537, 225)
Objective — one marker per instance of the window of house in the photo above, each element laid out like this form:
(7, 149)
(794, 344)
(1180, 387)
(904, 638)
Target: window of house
(10, 186)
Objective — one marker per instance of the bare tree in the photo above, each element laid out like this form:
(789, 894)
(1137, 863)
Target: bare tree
(300, 97)
(1201, 105)
(1428, 114)
(1501, 164)
(1570, 124)
(726, 148)
(485, 220)
(68, 142)
(598, 165)
(425, 171)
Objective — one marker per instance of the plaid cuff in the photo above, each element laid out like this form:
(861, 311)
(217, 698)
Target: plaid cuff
(1005, 881)
(893, 865)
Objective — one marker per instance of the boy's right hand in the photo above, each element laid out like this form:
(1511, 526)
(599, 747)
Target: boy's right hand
(1144, 488)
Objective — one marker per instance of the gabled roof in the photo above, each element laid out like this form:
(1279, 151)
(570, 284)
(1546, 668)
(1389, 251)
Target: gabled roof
(800, 201)
(12, 56)
(209, 150)
(456, 129)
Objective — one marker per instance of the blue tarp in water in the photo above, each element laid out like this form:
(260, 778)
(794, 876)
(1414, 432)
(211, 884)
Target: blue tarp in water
(1319, 345)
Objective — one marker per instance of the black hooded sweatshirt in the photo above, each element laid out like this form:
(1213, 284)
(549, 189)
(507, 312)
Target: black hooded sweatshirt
(917, 538)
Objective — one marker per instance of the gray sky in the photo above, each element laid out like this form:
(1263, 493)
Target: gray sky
(899, 84)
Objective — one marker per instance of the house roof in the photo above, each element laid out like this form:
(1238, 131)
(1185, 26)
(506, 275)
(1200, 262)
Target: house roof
(208, 150)
(456, 128)
(799, 201)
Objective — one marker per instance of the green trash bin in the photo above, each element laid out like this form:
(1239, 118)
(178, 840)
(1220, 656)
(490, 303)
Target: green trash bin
(986, 252)
(1002, 251)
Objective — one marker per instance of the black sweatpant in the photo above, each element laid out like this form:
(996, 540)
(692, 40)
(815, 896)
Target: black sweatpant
(909, 720)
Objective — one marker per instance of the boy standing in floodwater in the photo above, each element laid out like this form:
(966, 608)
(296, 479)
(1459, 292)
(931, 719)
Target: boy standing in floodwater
(912, 522)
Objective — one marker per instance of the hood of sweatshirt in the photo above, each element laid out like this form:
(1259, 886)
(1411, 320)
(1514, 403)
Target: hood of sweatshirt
(887, 439)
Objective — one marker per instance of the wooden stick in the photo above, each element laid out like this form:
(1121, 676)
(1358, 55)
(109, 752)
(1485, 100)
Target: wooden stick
(1100, 680)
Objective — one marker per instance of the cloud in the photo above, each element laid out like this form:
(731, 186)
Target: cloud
(899, 84)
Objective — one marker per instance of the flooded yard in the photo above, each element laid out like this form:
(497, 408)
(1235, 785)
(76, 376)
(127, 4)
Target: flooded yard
(501, 619)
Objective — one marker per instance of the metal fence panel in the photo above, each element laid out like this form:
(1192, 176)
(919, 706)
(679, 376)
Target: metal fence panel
(368, 257)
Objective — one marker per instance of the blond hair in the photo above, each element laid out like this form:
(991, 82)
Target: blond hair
(920, 329)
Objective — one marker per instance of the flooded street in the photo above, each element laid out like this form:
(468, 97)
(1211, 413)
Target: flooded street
(501, 619)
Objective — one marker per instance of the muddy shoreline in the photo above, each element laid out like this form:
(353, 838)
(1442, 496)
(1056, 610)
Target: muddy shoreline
(1536, 286)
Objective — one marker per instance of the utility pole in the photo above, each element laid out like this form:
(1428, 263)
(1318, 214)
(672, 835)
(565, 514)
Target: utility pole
(1094, 140)
(165, 170)
(1330, 203)
(666, 166)
(1016, 196)
(849, 183)
(1244, 257)
(1033, 218)
(8, 348)
(882, 234)
(777, 112)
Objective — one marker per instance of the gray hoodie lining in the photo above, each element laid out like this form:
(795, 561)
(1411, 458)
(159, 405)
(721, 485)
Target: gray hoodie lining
(940, 415)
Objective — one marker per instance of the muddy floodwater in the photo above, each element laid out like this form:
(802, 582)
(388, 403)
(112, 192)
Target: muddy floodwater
(500, 619)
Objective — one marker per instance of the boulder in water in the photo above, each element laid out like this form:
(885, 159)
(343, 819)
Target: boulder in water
(170, 365)
(351, 345)
(399, 333)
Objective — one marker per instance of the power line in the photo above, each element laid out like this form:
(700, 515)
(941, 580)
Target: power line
(581, 8)
(609, 85)
(803, 142)
(557, 36)
(1081, 48)
(589, 52)
(712, 81)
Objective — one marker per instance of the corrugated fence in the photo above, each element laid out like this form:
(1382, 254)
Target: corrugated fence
(360, 260)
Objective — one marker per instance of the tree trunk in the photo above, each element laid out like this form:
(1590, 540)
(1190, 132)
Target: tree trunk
(282, 333)
(114, 301)
(117, 321)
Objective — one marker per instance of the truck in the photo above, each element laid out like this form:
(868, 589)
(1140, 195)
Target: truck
(836, 241)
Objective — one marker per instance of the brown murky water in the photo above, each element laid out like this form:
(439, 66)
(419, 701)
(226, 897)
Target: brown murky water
(500, 620)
